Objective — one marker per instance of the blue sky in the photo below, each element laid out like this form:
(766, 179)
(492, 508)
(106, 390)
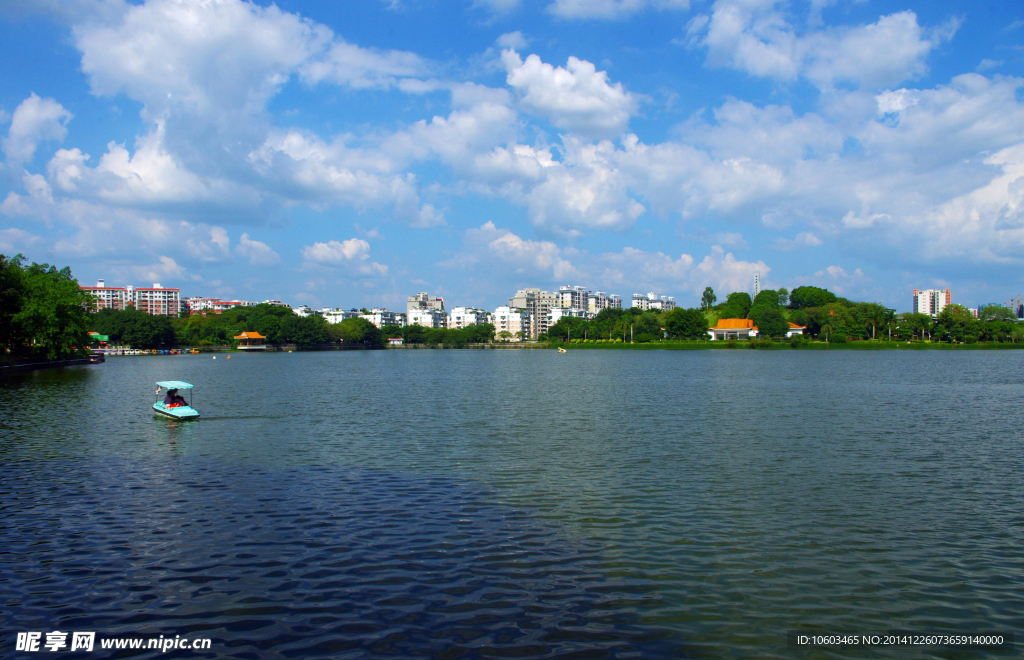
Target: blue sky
(352, 154)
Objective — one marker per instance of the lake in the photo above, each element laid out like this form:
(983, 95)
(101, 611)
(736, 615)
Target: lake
(478, 504)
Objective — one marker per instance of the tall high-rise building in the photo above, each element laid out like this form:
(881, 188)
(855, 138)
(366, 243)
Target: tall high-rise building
(108, 297)
(931, 301)
(757, 284)
(573, 297)
(157, 300)
(599, 300)
(537, 304)
(422, 301)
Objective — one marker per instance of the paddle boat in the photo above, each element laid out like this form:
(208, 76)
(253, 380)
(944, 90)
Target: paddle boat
(172, 410)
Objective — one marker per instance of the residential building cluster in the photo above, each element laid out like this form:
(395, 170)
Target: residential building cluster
(151, 300)
(530, 312)
(651, 301)
(160, 300)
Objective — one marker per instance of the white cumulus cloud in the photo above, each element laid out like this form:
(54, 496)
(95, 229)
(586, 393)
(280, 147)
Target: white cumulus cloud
(34, 120)
(755, 36)
(352, 254)
(577, 98)
(258, 253)
(15, 240)
(524, 256)
(207, 58)
(610, 9)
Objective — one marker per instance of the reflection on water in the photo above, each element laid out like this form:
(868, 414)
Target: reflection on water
(492, 503)
(303, 562)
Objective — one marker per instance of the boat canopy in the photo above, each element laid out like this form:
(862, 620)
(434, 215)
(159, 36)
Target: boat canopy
(174, 384)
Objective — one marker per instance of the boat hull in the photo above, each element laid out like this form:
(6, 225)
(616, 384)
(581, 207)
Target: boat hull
(182, 412)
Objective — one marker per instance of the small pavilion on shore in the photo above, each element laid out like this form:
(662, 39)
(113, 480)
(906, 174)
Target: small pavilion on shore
(733, 329)
(251, 341)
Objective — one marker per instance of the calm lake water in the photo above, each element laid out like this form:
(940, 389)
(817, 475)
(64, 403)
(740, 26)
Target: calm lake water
(477, 504)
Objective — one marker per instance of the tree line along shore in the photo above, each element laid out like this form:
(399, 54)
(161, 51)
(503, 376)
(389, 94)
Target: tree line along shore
(826, 319)
(44, 314)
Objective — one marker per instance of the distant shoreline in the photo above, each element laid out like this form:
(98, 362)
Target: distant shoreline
(804, 346)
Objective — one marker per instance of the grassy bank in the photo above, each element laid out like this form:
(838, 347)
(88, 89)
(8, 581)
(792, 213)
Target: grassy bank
(784, 345)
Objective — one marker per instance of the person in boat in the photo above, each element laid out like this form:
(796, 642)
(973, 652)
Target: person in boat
(173, 399)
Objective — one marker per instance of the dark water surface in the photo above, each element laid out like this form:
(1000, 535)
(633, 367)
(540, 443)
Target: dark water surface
(472, 504)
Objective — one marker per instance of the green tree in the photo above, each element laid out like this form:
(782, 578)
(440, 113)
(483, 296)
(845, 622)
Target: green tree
(827, 327)
(647, 328)
(707, 300)
(141, 330)
(305, 331)
(686, 323)
(914, 325)
(12, 300)
(868, 318)
(997, 313)
(769, 298)
(810, 296)
(765, 300)
(53, 317)
(953, 322)
(770, 322)
(358, 332)
(736, 306)
(783, 296)
(270, 327)
(889, 322)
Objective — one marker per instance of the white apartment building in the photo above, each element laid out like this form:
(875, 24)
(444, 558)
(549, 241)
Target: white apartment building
(157, 300)
(107, 297)
(931, 301)
(537, 304)
(514, 321)
(599, 300)
(275, 303)
(200, 305)
(558, 312)
(338, 315)
(573, 297)
(460, 317)
(653, 301)
(303, 311)
(428, 318)
(422, 301)
(382, 317)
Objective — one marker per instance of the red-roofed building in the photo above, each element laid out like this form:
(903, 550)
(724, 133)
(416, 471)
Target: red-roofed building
(733, 329)
(251, 341)
(157, 300)
(108, 297)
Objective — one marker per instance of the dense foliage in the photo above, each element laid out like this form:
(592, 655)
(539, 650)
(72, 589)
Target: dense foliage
(810, 296)
(686, 324)
(42, 311)
(736, 306)
(134, 328)
(415, 334)
(826, 317)
(357, 332)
